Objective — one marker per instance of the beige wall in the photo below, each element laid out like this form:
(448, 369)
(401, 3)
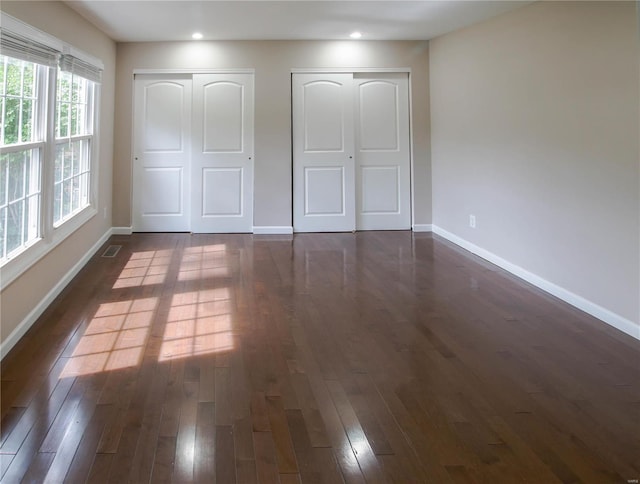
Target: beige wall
(272, 61)
(26, 292)
(535, 131)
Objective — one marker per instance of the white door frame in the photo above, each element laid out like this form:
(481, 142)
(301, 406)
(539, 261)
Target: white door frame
(138, 71)
(371, 70)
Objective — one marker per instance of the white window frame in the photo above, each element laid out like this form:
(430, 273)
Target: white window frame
(50, 236)
(89, 135)
(38, 129)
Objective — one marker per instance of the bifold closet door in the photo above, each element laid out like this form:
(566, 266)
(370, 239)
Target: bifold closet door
(383, 167)
(323, 164)
(351, 158)
(161, 153)
(222, 159)
(193, 153)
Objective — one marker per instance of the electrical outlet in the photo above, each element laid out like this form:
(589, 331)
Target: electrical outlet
(472, 221)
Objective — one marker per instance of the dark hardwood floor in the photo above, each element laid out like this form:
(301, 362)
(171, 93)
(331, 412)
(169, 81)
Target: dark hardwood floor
(326, 358)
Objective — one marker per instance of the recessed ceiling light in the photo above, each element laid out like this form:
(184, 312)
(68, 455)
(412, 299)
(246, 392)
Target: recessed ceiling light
(196, 36)
(355, 35)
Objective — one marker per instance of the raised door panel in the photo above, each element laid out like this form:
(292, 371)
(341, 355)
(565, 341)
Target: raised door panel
(222, 192)
(323, 112)
(163, 191)
(223, 117)
(378, 116)
(380, 189)
(164, 105)
(324, 190)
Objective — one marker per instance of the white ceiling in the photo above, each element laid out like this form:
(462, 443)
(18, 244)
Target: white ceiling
(171, 20)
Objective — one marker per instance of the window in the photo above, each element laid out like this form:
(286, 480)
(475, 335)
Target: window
(73, 145)
(22, 150)
(48, 93)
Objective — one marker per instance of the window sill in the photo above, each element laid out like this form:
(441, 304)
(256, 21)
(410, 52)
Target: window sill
(13, 268)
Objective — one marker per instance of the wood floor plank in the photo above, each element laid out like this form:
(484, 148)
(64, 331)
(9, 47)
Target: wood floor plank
(259, 414)
(290, 479)
(48, 400)
(362, 406)
(83, 459)
(132, 425)
(142, 464)
(9, 422)
(207, 390)
(224, 409)
(100, 467)
(309, 406)
(29, 443)
(319, 358)
(246, 471)
(285, 455)
(402, 447)
(243, 439)
(172, 403)
(186, 438)
(60, 425)
(205, 444)
(5, 462)
(39, 466)
(367, 459)
(82, 414)
(266, 465)
(164, 459)
(314, 464)
(119, 391)
(225, 465)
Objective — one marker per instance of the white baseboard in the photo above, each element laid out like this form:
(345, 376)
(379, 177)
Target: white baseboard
(273, 230)
(122, 230)
(422, 228)
(35, 313)
(609, 317)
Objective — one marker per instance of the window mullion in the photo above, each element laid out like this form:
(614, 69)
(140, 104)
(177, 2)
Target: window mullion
(47, 124)
(4, 104)
(70, 108)
(5, 224)
(21, 102)
(92, 166)
(21, 147)
(25, 196)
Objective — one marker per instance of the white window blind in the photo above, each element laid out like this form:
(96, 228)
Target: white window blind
(79, 67)
(19, 47)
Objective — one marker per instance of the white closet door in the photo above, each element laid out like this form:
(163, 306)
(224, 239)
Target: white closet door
(162, 145)
(323, 166)
(222, 160)
(383, 193)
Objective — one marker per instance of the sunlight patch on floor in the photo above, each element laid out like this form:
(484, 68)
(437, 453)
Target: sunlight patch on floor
(204, 262)
(114, 339)
(144, 268)
(198, 323)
